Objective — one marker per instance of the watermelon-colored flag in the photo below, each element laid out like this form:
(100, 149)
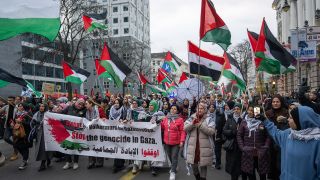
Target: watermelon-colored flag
(142, 78)
(162, 76)
(275, 58)
(183, 77)
(253, 39)
(169, 63)
(90, 24)
(74, 74)
(232, 71)
(112, 64)
(212, 27)
(29, 16)
(101, 71)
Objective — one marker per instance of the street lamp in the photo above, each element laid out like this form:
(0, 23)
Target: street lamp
(285, 6)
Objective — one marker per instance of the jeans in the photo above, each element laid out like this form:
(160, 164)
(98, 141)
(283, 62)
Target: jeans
(173, 154)
(75, 158)
(201, 170)
(217, 151)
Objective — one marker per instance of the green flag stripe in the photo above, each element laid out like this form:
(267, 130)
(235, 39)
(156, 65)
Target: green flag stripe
(230, 75)
(47, 27)
(110, 70)
(3, 83)
(219, 36)
(96, 25)
(73, 79)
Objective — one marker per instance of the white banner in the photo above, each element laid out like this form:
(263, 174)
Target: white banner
(98, 138)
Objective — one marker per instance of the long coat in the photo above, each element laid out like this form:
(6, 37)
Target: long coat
(205, 132)
(258, 142)
(40, 151)
(233, 157)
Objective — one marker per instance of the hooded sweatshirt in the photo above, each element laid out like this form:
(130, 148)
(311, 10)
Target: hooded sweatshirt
(300, 150)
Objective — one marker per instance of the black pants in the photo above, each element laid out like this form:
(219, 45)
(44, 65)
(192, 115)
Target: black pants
(8, 135)
(75, 158)
(252, 176)
(24, 153)
(173, 154)
(236, 177)
(217, 151)
(2, 127)
(118, 163)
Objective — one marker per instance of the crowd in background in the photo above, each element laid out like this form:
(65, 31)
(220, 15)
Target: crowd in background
(274, 137)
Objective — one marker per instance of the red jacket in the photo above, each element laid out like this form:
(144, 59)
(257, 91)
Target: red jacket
(173, 131)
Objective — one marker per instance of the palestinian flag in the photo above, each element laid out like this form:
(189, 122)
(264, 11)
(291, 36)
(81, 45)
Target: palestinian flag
(232, 71)
(29, 90)
(275, 58)
(253, 39)
(101, 71)
(142, 79)
(170, 87)
(91, 23)
(162, 76)
(210, 65)
(74, 74)
(155, 89)
(212, 27)
(6, 78)
(183, 77)
(29, 16)
(114, 66)
(170, 64)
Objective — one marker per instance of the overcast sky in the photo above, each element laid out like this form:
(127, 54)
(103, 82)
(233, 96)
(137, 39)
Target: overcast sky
(174, 22)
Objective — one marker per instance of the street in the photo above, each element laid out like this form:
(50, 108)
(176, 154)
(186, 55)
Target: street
(10, 170)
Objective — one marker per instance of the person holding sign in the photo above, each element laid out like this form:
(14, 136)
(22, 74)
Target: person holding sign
(174, 136)
(199, 143)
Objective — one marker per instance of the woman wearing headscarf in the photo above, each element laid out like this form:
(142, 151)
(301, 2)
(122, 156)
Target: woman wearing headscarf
(254, 142)
(174, 136)
(21, 129)
(37, 126)
(155, 117)
(278, 114)
(118, 113)
(91, 114)
(77, 109)
(233, 152)
(299, 144)
(198, 147)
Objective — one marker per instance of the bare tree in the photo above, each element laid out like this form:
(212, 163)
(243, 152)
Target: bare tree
(242, 53)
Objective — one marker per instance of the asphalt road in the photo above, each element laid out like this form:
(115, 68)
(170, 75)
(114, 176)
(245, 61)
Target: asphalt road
(10, 171)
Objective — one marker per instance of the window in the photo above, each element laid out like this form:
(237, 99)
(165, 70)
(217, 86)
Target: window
(126, 19)
(158, 62)
(126, 42)
(84, 65)
(40, 70)
(39, 55)
(126, 30)
(85, 91)
(115, 20)
(38, 85)
(27, 52)
(153, 63)
(58, 59)
(27, 69)
(115, 9)
(125, 8)
(126, 56)
(49, 72)
(58, 73)
(115, 32)
(115, 42)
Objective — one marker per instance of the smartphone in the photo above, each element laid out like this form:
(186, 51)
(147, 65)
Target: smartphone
(256, 111)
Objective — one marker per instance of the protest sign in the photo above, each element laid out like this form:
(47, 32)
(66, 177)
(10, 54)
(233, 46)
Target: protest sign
(98, 138)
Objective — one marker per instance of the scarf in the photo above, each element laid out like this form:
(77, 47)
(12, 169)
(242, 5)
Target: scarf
(227, 113)
(306, 134)
(252, 124)
(172, 117)
(115, 114)
(220, 106)
(236, 117)
(38, 117)
(92, 114)
(212, 115)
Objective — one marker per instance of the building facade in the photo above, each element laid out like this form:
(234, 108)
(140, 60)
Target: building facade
(34, 59)
(128, 36)
(295, 16)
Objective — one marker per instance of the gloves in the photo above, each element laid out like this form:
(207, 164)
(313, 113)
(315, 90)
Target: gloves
(260, 117)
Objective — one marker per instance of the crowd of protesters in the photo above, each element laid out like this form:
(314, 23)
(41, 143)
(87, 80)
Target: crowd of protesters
(272, 137)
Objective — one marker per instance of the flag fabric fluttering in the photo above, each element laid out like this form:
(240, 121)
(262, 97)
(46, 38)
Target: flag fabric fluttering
(162, 76)
(183, 77)
(210, 65)
(113, 65)
(253, 39)
(275, 58)
(29, 90)
(40, 17)
(6, 78)
(74, 74)
(170, 64)
(142, 78)
(232, 71)
(212, 27)
(91, 23)
(101, 71)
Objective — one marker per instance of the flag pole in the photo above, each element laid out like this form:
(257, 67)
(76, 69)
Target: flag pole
(199, 69)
